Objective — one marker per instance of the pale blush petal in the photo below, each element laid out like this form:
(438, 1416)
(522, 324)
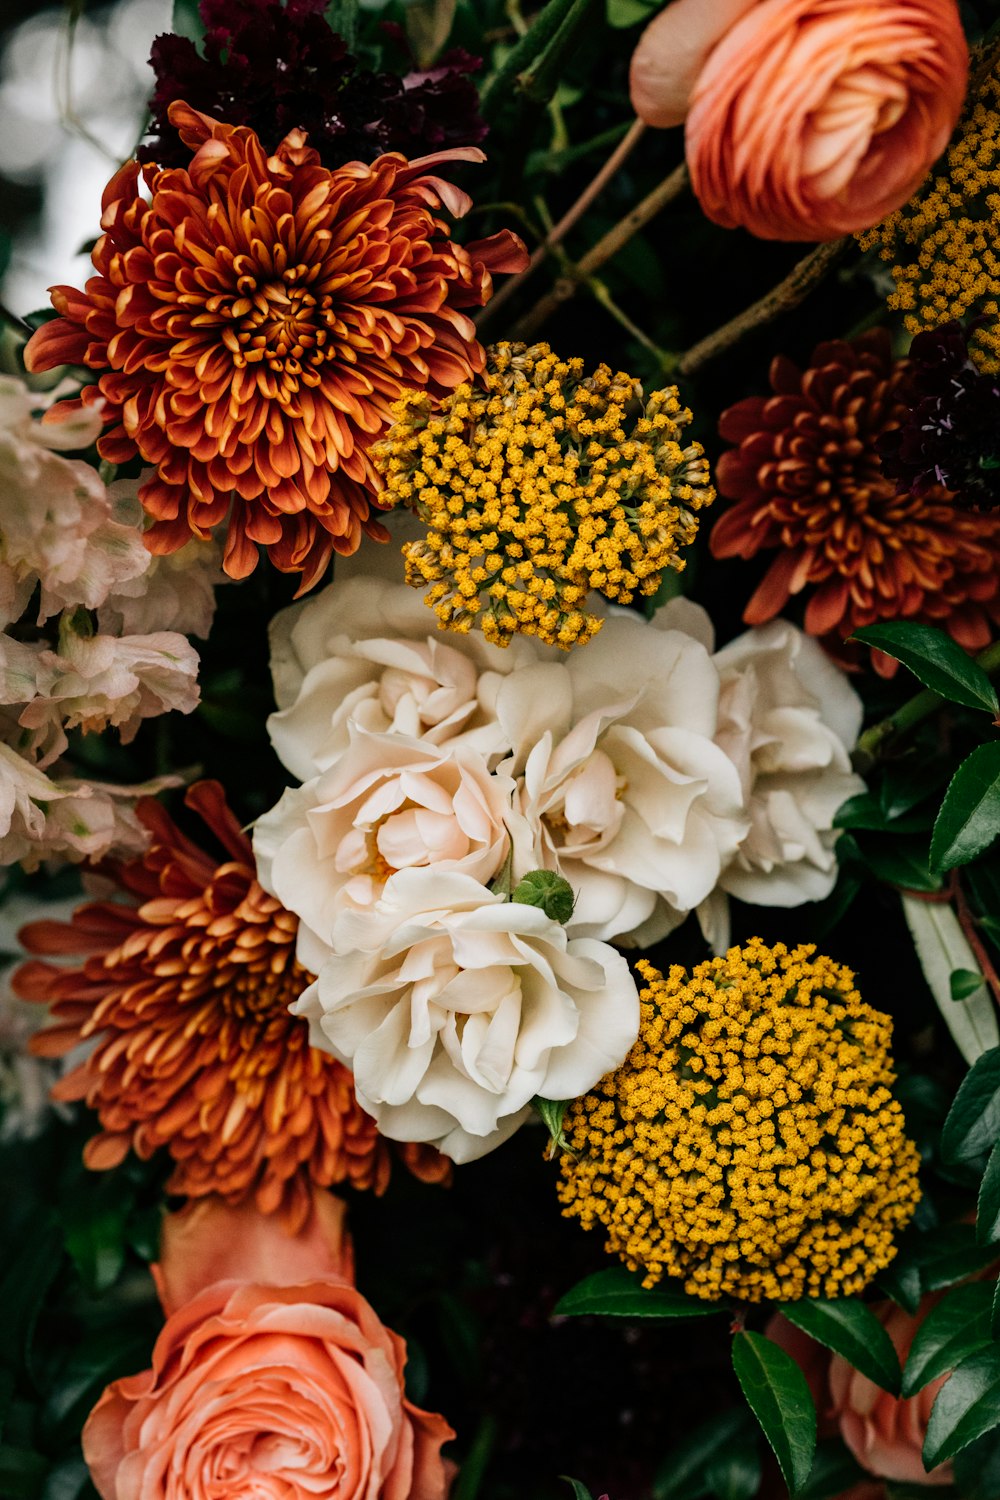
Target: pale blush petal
(672, 52)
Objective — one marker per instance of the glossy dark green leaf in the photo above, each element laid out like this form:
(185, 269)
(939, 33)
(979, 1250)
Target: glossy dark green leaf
(967, 1405)
(954, 1329)
(973, 1123)
(617, 1293)
(935, 660)
(580, 1491)
(22, 1290)
(834, 1472)
(902, 861)
(988, 1208)
(977, 1468)
(734, 1474)
(850, 1328)
(969, 820)
(950, 1254)
(683, 1473)
(22, 1473)
(777, 1394)
(995, 1311)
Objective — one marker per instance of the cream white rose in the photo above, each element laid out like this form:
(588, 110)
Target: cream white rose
(389, 803)
(368, 651)
(788, 719)
(454, 1008)
(625, 792)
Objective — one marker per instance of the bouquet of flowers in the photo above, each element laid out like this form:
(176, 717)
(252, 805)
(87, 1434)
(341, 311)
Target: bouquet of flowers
(499, 776)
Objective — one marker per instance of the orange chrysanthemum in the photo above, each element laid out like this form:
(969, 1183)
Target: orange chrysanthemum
(807, 480)
(187, 993)
(254, 322)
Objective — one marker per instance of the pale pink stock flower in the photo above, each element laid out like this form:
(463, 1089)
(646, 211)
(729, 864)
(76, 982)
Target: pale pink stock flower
(57, 523)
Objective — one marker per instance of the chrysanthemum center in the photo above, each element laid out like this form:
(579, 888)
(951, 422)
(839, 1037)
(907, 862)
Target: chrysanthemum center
(278, 324)
(256, 995)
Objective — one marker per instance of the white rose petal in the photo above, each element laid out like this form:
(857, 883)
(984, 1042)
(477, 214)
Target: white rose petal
(454, 1008)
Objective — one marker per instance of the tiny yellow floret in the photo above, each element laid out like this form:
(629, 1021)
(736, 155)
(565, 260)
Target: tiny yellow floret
(943, 243)
(750, 1144)
(537, 486)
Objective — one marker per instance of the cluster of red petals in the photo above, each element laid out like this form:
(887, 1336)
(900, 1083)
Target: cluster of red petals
(186, 989)
(807, 481)
(254, 321)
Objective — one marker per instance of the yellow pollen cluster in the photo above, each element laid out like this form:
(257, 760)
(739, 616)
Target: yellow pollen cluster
(750, 1143)
(539, 486)
(944, 243)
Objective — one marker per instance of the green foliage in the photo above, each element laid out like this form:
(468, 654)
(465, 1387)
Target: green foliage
(935, 659)
(966, 1407)
(777, 1394)
(956, 1327)
(617, 1293)
(973, 1123)
(546, 889)
(685, 1473)
(850, 1328)
(969, 819)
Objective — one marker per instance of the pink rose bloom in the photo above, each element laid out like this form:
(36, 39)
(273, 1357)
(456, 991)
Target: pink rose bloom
(806, 119)
(275, 1380)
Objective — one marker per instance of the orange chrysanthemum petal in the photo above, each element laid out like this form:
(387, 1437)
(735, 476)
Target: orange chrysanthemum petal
(186, 991)
(254, 321)
(807, 481)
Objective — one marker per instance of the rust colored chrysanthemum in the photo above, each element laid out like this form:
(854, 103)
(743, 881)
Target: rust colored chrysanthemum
(253, 323)
(186, 993)
(807, 480)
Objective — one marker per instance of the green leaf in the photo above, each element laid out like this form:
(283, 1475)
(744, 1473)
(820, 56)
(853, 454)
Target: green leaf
(988, 1209)
(900, 861)
(580, 1491)
(995, 1312)
(969, 819)
(780, 1399)
(22, 1290)
(616, 1293)
(833, 1472)
(734, 1474)
(977, 1468)
(850, 1328)
(967, 1405)
(544, 888)
(683, 1473)
(973, 1123)
(22, 1473)
(956, 1328)
(965, 982)
(935, 660)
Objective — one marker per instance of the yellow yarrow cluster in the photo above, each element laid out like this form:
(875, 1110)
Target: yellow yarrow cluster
(750, 1143)
(538, 487)
(945, 243)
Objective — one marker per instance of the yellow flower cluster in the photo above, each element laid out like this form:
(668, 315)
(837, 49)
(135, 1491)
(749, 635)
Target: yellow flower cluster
(539, 486)
(945, 243)
(750, 1143)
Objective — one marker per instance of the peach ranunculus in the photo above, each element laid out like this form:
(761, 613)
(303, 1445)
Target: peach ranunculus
(273, 1376)
(806, 119)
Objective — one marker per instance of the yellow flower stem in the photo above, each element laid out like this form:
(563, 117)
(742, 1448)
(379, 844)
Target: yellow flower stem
(576, 275)
(913, 712)
(797, 285)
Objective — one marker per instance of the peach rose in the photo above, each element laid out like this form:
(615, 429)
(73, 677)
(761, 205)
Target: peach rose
(276, 1380)
(885, 1433)
(806, 119)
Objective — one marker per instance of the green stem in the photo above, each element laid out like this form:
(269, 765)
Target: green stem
(915, 710)
(523, 54)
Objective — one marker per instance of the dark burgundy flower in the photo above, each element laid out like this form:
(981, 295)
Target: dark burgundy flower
(951, 436)
(277, 67)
